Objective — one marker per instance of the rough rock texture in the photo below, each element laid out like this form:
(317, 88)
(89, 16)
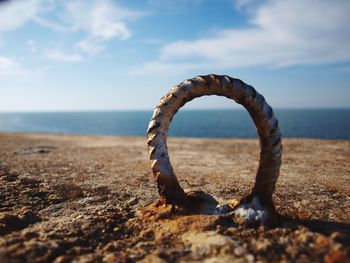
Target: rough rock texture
(92, 199)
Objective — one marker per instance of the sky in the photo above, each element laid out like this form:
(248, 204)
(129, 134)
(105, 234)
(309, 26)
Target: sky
(82, 55)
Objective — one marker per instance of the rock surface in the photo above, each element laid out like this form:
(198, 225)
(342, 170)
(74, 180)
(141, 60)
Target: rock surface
(92, 199)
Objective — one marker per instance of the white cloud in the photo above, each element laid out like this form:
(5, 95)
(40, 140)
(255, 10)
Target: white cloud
(102, 20)
(281, 33)
(61, 56)
(14, 14)
(99, 21)
(10, 67)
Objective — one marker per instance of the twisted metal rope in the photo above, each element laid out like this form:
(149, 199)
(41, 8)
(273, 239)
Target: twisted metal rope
(235, 89)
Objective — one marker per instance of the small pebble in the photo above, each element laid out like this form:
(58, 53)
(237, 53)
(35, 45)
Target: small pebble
(132, 201)
(249, 258)
(239, 251)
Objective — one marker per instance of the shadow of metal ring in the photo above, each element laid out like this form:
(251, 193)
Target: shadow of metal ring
(260, 196)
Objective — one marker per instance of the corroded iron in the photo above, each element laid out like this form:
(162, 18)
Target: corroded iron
(260, 197)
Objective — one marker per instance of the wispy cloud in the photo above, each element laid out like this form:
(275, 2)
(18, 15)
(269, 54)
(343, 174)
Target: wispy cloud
(160, 68)
(246, 4)
(10, 67)
(98, 21)
(30, 43)
(91, 45)
(61, 56)
(281, 33)
(53, 25)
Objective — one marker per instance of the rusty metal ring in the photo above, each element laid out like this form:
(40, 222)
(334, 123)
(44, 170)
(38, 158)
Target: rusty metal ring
(264, 120)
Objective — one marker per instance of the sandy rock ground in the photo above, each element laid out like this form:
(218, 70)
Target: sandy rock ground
(92, 199)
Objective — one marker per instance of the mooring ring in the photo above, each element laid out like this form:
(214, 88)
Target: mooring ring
(235, 89)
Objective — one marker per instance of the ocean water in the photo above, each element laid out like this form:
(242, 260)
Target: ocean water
(318, 123)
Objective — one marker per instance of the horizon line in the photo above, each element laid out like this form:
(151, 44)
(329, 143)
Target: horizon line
(151, 110)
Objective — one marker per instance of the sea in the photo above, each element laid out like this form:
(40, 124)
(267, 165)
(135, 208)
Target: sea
(231, 123)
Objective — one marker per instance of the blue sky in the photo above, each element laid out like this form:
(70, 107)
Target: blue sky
(124, 55)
